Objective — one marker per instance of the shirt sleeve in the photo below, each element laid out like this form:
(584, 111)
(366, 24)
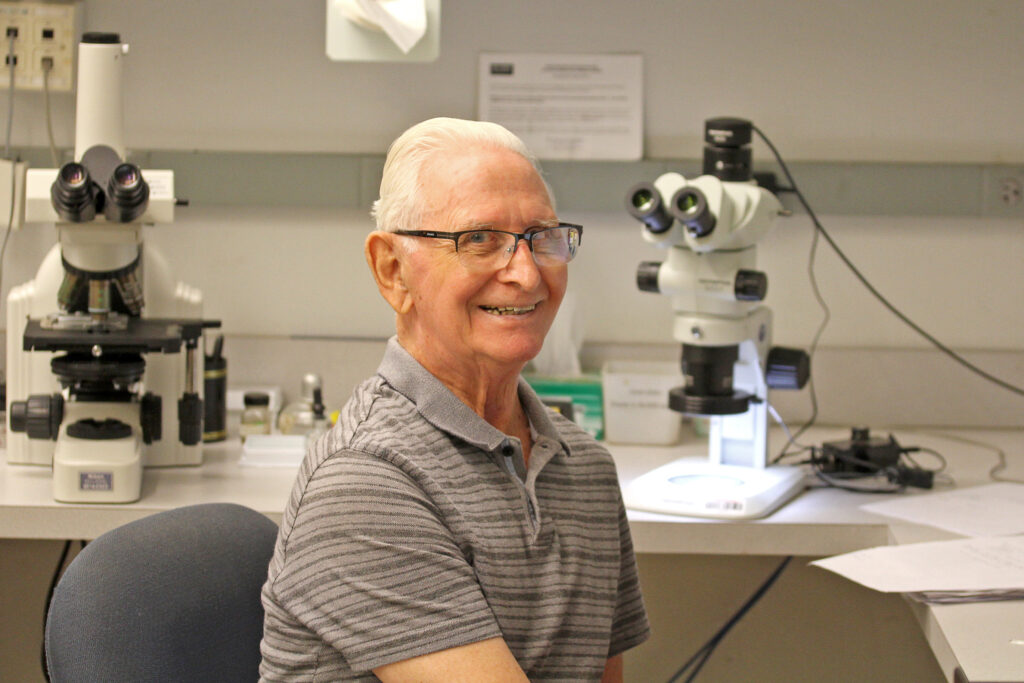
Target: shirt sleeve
(370, 567)
(630, 626)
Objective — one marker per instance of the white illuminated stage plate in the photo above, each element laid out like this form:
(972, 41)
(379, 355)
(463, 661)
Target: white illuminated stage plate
(699, 488)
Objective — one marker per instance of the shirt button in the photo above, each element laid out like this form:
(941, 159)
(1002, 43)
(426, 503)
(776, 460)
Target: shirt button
(507, 450)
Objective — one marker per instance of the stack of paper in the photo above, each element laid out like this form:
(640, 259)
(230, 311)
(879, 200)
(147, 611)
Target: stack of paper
(969, 569)
(987, 566)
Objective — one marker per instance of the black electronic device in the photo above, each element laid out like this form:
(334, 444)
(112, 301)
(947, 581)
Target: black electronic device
(861, 452)
(864, 455)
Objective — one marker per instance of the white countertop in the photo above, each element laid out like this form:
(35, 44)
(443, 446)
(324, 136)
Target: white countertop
(980, 638)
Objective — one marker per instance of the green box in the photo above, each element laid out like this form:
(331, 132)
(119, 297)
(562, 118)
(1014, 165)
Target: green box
(584, 392)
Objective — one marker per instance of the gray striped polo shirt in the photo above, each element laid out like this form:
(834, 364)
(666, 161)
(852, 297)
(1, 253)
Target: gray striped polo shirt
(414, 526)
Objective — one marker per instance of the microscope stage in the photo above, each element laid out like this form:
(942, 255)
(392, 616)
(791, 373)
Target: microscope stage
(696, 487)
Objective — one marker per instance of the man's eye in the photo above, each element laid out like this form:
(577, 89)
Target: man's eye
(478, 238)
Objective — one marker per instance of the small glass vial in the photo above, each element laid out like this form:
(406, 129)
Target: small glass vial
(297, 416)
(256, 416)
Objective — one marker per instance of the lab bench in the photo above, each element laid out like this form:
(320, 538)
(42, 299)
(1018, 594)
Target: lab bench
(982, 640)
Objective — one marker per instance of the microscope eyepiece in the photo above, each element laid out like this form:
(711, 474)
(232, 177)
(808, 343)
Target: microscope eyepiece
(690, 207)
(127, 194)
(644, 203)
(74, 194)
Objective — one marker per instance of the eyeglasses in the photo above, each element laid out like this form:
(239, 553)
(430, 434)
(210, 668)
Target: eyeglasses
(488, 249)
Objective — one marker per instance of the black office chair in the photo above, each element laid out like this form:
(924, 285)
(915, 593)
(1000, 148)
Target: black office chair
(171, 597)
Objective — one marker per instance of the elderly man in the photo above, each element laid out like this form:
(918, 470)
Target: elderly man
(450, 528)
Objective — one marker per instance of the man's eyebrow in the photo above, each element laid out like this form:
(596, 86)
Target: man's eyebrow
(541, 223)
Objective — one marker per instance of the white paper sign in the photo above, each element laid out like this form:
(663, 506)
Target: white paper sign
(566, 106)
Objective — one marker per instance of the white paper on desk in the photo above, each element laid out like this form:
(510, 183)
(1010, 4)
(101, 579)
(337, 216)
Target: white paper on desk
(989, 510)
(975, 564)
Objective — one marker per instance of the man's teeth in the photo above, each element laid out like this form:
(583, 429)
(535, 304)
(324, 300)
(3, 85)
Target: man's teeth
(509, 310)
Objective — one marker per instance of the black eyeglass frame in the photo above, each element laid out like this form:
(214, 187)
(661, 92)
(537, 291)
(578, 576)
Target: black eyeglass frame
(526, 236)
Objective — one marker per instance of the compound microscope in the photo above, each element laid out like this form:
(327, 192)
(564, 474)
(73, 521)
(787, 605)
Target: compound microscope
(710, 226)
(80, 394)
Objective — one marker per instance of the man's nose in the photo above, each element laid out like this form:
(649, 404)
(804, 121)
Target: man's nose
(521, 265)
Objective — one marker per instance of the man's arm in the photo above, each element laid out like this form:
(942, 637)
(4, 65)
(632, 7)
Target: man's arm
(613, 670)
(486, 661)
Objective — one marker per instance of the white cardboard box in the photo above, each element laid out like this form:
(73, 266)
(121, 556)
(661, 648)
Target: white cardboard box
(636, 402)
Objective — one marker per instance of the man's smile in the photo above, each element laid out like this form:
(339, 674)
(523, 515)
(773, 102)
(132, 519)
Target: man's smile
(509, 310)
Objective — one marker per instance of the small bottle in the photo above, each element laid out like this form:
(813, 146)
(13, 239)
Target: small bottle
(297, 416)
(256, 416)
(319, 416)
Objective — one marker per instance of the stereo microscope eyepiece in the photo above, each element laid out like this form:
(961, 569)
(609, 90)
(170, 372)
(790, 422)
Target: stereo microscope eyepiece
(690, 207)
(644, 203)
(127, 194)
(74, 194)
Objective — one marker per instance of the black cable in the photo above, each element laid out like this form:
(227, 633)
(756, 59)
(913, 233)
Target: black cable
(701, 656)
(878, 295)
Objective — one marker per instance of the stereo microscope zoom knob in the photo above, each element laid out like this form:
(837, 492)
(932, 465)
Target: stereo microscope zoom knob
(647, 276)
(750, 285)
(39, 416)
(787, 368)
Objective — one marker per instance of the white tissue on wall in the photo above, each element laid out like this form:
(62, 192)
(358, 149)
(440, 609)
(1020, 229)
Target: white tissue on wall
(560, 355)
(404, 21)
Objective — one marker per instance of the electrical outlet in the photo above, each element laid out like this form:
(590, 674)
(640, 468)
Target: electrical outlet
(43, 45)
(1003, 192)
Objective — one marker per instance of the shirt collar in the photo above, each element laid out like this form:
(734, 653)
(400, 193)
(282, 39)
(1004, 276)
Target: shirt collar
(443, 409)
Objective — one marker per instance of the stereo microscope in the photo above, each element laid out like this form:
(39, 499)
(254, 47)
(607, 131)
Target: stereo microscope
(710, 226)
(102, 343)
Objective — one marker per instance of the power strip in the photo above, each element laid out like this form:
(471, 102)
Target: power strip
(43, 34)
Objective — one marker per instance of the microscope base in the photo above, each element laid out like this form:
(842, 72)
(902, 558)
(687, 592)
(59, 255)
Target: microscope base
(695, 487)
(98, 470)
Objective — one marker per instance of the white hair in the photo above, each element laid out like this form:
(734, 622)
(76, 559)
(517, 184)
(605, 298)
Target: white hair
(399, 206)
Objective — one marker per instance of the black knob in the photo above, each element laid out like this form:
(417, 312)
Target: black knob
(190, 419)
(751, 285)
(787, 368)
(647, 276)
(39, 416)
(151, 417)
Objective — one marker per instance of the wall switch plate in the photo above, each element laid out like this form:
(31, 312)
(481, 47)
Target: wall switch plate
(43, 45)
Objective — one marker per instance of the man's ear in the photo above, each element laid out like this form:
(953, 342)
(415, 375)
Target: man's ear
(384, 256)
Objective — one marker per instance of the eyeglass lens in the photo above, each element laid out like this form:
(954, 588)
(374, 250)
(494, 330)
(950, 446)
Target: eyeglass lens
(550, 246)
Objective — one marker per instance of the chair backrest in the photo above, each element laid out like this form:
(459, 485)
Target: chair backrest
(171, 597)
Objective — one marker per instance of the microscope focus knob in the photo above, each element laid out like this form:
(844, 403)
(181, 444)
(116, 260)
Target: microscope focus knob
(39, 416)
(787, 368)
(750, 285)
(647, 276)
